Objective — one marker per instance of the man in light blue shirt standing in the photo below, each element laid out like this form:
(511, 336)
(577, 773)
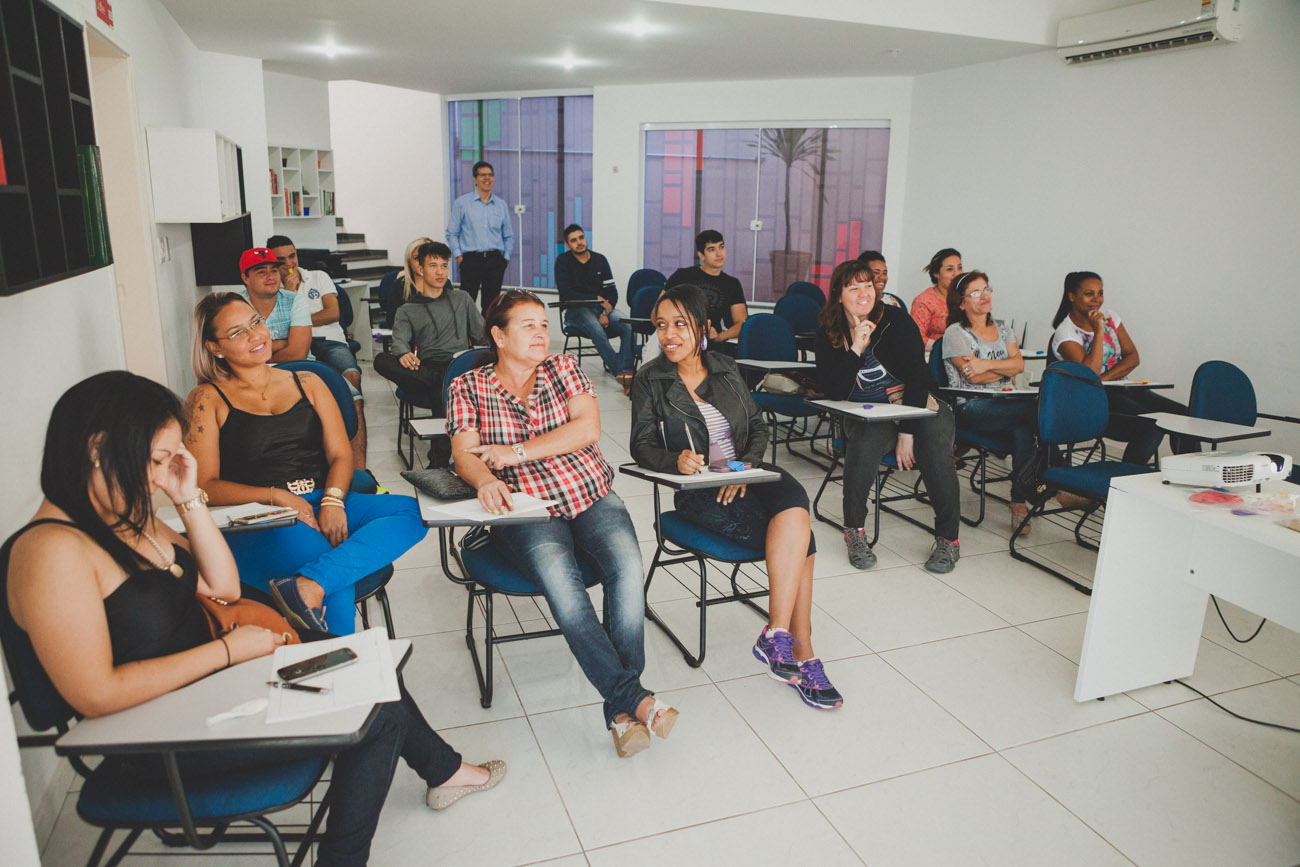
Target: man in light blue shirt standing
(480, 237)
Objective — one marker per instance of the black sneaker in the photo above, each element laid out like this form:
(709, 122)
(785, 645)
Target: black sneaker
(860, 553)
(776, 648)
(815, 687)
(945, 555)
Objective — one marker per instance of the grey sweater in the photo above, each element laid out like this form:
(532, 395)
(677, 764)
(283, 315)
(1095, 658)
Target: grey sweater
(435, 329)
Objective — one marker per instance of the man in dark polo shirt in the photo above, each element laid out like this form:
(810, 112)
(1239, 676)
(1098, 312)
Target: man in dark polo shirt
(584, 275)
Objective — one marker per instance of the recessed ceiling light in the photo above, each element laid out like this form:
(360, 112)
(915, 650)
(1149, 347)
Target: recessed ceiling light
(330, 48)
(568, 61)
(638, 28)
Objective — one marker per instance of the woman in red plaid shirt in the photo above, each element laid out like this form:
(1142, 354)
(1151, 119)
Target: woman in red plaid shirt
(529, 423)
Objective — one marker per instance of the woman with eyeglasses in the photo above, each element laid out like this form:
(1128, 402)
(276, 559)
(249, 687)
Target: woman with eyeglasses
(105, 592)
(871, 352)
(527, 423)
(264, 435)
(981, 352)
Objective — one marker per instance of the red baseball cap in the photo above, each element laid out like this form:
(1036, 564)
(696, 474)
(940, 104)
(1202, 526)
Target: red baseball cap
(257, 256)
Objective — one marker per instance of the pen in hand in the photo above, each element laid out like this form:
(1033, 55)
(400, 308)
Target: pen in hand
(301, 687)
(691, 442)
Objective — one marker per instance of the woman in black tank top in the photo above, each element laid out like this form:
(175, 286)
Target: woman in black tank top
(266, 435)
(105, 594)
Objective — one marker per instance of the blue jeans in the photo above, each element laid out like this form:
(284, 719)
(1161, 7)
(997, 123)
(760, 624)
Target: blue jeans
(338, 356)
(584, 321)
(612, 657)
(381, 527)
(1014, 415)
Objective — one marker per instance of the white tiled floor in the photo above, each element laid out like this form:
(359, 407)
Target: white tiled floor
(959, 741)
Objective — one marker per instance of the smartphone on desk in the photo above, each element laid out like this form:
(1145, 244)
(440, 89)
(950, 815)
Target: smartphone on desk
(263, 517)
(317, 665)
(729, 467)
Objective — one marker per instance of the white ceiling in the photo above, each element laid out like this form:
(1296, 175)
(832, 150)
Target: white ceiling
(514, 45)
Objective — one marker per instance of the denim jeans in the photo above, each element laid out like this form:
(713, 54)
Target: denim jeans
(585, 322)
(866, 442)
(381, 527)
(1014, 415)
(613, 656)
(1141, 434)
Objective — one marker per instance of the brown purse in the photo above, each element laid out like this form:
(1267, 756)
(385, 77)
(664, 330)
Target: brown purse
(224, 616)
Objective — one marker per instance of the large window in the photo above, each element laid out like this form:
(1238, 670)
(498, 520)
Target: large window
(540, 148)
(792, 203)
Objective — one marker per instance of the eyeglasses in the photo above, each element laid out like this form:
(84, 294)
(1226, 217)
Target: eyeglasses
(245, 332)
(521, 293)
(485, 175)
(980, 293)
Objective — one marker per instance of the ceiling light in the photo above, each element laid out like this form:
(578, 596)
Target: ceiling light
(638, 28)
(568, 61)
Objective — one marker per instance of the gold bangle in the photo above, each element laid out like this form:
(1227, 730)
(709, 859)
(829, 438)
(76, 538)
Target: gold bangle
(337, 493)
(335, 505)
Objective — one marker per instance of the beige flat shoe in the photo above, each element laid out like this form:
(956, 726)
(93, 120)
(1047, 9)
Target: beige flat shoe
(662, 718)
(442, 797)
(1018, 513)
(630, 738)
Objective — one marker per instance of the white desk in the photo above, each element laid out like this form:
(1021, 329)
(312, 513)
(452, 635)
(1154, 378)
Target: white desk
(774, 366)
(961, 391)
(877, 412)
(177, 721)
(1212, 432)
(1160, 559)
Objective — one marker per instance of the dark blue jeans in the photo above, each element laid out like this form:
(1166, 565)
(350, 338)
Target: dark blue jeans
(584, 321)
(613, 656)
(1141, 434)
(1014, 415)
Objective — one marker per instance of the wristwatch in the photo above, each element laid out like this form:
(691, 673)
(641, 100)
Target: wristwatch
(518, 449)
(199, 499)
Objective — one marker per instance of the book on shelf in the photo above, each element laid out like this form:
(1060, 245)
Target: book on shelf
(275, 183)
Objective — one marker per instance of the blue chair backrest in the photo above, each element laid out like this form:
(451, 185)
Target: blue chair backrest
(807, 290)
(767, 337)
(337, 386)
(800, 311)
(643, 277)
(386, 284)
(345, 309)
(1221, 391)
(891, 298)
(1072, 405)
(938, 372)
(463, 363)
(642, 304)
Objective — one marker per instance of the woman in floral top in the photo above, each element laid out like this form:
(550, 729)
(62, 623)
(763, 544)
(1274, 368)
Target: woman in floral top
(930, 308)
(528, 423)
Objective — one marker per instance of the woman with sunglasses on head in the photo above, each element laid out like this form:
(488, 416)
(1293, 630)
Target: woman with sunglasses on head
(527, 422)
(685, 398)
(930, 308)
(1089, 334)
(264, 435)
(871, 352)
(106, 594)
(981, 352)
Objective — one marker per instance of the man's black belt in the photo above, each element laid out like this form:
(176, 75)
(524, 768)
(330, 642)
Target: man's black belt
(483, 253)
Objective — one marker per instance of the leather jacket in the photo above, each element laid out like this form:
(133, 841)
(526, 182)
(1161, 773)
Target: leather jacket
(663, 410)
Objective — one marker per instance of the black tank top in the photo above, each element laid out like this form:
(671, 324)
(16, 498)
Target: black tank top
(272, 450)
(152, 613)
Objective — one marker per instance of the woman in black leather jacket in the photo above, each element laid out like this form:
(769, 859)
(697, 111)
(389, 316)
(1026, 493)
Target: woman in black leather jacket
(691, 409)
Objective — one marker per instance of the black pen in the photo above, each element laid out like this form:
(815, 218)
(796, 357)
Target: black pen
(298, 686)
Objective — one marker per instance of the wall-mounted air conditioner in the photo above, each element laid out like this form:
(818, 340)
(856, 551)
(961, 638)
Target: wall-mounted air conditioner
(1155, 25)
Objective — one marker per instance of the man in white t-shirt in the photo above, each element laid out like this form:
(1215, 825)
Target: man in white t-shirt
(329, 343)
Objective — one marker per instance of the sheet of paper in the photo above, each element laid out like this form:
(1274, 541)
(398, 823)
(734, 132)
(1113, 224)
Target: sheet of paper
(221, 515)
(731, 478)
(472, 510)
(369, 680)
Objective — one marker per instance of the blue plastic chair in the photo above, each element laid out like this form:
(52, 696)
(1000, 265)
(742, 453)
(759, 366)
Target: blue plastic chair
(891, 298)
(346, 317)
(679, 541)
(387, 285)
(363, 482)
(800, 311)
(114, 798)
(802, 288)
(641, 305)
(1221, 391)
(1072, 408)
(643, 277)
(768, 337)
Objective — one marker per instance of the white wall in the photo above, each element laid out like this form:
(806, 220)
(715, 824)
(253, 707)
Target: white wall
(298, 115)
(388, 163)
(620, 112)
(1172, 175)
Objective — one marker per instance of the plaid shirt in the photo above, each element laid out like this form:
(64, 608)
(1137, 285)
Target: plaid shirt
(479, 402)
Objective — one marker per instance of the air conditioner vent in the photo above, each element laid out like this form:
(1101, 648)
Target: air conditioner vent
(1157, 45)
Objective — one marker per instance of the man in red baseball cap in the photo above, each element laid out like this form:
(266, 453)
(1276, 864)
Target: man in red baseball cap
(286, 313)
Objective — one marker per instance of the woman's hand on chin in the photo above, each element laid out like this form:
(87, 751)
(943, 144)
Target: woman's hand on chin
(494, 497)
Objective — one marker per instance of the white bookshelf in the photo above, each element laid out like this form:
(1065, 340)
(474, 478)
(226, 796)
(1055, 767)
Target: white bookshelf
(301, 183)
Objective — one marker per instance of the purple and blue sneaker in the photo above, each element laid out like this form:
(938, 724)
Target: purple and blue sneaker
(775, 648)
(815, 687)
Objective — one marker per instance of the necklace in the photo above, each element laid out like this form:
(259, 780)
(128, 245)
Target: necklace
(170, 565)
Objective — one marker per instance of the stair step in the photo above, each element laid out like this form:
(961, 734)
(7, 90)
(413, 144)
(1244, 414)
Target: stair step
(351, 237)
(369, 272)
(352, 255)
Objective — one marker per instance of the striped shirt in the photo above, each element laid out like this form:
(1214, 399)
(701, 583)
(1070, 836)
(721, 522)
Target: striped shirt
(722, 443)
(479, 402)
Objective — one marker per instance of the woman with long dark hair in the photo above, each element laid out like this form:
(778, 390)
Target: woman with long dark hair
(685, 390)
(266, 435)
(106, 593)
(869, 351)
(930, 308)
(528, 422)
(981, 352)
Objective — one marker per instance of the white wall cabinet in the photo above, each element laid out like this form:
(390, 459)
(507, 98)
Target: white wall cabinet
(195, 174)
(301, 184)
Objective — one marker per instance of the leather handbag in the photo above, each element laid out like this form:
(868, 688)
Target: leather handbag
(225, 616)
